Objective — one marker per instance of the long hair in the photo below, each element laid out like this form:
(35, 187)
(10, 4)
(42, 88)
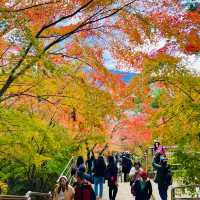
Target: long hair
(137, 163)
(155, 147)
(60, 187)
(79, 161)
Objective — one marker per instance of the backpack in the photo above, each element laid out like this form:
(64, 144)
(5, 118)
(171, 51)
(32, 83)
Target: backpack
(87, 193)
(84, 191)
(169, 180)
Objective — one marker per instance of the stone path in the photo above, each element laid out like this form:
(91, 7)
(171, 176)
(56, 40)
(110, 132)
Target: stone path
(125, 194)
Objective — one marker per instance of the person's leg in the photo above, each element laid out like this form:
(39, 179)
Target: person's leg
(162, 191)
(96, 182)
(110, 192)
(101, 182)
(165, 192)
(124, 177)
(115, 190)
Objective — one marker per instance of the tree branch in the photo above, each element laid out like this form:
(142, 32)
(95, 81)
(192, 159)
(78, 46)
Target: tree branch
(86, 22)
(29, 7)
(63, 18)
(12, 77)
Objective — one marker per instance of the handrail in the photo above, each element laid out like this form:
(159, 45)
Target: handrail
(67, 166)
(27, 196)
(166, 147)
(67, 170)
(14, 197)
(186, 186)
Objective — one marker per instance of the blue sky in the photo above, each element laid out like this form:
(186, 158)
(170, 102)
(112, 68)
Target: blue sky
(126, 76)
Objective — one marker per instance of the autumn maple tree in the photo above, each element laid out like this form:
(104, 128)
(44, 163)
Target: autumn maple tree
(53, 67)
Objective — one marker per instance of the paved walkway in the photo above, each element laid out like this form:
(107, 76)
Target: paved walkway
(124, 192)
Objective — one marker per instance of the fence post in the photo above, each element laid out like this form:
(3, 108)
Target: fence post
(28, 195)
(146, 158)
(173, 193)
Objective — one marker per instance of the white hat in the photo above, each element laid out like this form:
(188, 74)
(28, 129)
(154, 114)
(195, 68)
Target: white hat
(62, 177)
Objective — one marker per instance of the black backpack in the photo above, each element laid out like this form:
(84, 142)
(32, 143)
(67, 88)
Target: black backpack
(169, 174)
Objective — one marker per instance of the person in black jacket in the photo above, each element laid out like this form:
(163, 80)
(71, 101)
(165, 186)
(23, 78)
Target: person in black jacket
(126, 166)
(99, 173)
(142, 188)
(90, 161)
(163, 177)
(111, 174)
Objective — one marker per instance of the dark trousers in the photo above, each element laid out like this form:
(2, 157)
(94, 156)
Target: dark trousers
(113, 189)
(163, 191)
(126, 176)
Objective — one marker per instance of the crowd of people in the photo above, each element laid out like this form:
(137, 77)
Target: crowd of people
(94, 172)
(90, 177)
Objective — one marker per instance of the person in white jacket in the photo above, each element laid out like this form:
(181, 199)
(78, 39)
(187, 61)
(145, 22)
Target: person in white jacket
(135, 172)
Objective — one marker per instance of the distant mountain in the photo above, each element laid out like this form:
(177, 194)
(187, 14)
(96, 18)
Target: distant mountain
(126, 76)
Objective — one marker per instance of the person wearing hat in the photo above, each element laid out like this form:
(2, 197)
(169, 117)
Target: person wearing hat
(163, 177)
(63, 190)
(142, 188)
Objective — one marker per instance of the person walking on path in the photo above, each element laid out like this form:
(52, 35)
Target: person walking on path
(135, 172)
(142, 188)
(111, 174)
(63, 190)
(99, 173)
(83, 189)
(90, 161)
(126, 166)
(163, 177)
(80, 166)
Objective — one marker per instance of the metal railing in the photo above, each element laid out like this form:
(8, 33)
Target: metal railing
(28, 196)
(189, 192)
(68, 168)
(12, 197)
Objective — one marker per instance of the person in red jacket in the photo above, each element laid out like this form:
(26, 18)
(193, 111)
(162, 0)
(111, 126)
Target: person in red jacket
(83, 189)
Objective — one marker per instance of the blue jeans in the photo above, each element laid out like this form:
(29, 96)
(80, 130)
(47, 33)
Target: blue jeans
(98, 186)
